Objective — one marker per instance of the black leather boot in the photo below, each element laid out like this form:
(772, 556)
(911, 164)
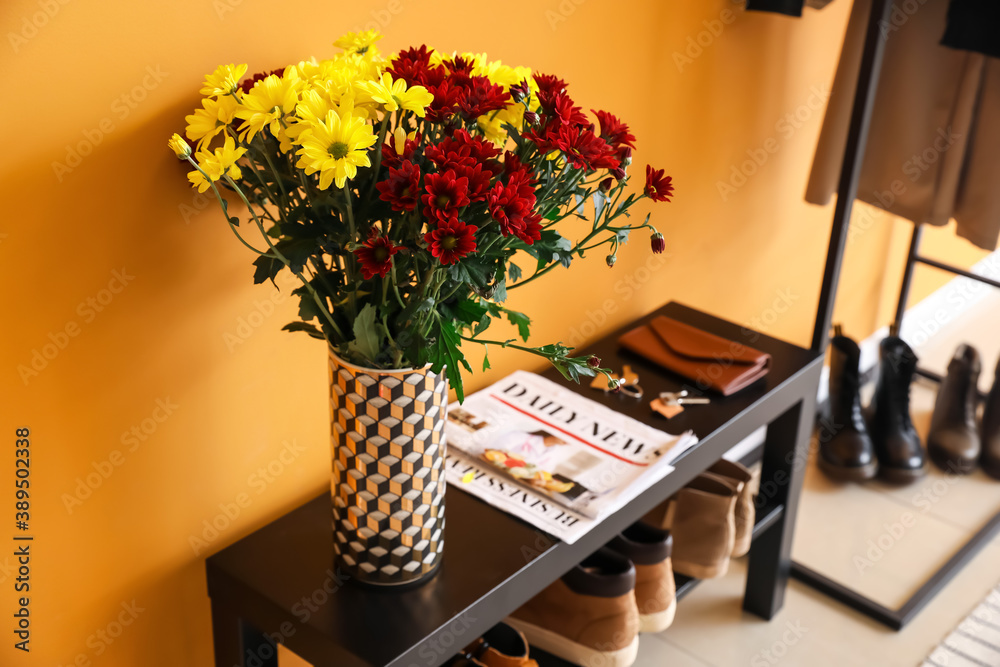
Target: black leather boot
(953, 442)
(900, 453)
(990, 458)
(845, 449)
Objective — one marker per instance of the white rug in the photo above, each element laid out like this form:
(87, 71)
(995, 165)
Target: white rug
(976, 640)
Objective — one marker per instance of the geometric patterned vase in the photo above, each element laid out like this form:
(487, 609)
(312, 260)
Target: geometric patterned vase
(388, 485)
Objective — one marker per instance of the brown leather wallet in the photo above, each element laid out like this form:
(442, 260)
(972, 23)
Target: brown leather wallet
(708, 360)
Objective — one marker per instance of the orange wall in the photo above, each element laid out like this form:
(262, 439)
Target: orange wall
(216, 404)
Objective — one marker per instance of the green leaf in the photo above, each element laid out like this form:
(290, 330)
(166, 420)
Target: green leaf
(483, 325)
(522, 321)
(500, 291)
(266, 269)
(469, 311)
(445, 354)
(367, 336)
(513, 272)
(486, 358)
(303, 326)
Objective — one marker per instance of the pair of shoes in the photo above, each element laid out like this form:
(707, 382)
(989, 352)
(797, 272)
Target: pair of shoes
(886, 442)
(954, 443)
(593, 615)
(711, 520)
(501, 646)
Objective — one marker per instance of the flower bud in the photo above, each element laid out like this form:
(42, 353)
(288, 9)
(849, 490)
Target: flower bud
(618, 173)
(605, 186)
(625, 156)
(611, 259)
(519, 91)
(180, 147)
(531, 118)
(657, 243)
(594, 361)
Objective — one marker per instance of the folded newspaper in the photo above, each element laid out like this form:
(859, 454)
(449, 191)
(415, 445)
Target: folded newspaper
(551, 457)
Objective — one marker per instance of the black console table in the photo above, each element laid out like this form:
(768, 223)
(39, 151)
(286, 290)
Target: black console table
(279, 584)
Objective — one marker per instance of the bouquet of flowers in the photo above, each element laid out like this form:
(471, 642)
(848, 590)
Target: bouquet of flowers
(400, 191)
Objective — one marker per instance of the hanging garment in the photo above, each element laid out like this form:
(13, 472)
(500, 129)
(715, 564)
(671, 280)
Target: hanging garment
(790, 7)
(934, 143)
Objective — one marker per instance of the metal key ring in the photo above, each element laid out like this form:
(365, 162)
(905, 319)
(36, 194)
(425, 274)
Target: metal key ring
(631, 390)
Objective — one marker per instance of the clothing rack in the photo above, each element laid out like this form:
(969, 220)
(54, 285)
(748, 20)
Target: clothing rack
(864, 96)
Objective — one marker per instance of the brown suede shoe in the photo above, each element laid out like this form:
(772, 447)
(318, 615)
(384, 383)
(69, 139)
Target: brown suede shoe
(701, 518)
(655, 593)
(589, 617)
(501, 646)
(745, 515)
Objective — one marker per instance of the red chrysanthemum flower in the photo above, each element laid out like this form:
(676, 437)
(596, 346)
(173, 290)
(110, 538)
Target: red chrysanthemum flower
(582, 147)
(445, 194)
(412, 65)
(548, 83)
(451, 240)
(511, 204)
(402, 187)
(563, 111)
(532, 230)
(482, 97)
(462, 147)
(446, 98)
(375, 255)
(391, 158)
(479, 179)
(613, 131)
(658, 187)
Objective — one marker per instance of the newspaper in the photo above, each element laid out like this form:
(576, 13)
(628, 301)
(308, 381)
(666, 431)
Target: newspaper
(551, 457)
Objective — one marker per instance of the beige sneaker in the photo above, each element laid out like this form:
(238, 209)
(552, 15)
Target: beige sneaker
(655, 593)
(701, 518)
(589, 616)
(744, 513)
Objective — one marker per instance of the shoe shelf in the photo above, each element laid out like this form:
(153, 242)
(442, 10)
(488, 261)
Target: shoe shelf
(279, 584)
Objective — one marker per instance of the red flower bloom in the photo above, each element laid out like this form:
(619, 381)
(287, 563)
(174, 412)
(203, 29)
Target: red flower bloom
(479, 178)
(614, 131)
(567, 113)
(412, 65)
(548, 83)
(375, 255)
(581, 147)
(391, 158)
(451, 240)
(658, 187)
(445, 194)
(656, 243)
(402, 187)
(462, 147)
(511, 204)
(446, 97)
(248, 83)
(482, 97)
(532, 230)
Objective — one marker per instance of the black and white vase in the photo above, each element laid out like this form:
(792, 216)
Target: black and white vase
(388, 480)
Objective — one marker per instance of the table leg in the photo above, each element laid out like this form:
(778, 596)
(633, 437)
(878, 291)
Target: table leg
(239, 644)
(786, 452)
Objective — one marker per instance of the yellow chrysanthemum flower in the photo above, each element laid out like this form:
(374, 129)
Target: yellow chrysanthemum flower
(336, 147)
(224, 80)
(362, 43)
(211, 119)
(216, 165)
(180, 147)
(393, 95)
(267, 103)
(311, 109)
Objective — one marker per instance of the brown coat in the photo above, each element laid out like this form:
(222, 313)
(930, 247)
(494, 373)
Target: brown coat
(934, 145)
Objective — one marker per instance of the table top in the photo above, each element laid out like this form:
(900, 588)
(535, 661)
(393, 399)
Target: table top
(492, 562)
